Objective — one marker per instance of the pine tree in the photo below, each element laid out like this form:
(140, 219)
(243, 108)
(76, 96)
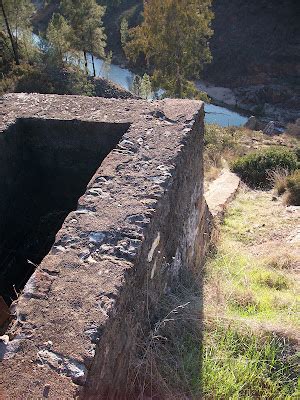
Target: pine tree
(173, 38)
(15, 20)
(124, 32)
(59, 37)
(85, 19)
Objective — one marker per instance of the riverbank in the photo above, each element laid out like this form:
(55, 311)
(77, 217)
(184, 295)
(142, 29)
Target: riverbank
(254, 100)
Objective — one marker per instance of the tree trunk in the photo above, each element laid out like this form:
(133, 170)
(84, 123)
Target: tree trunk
(85, 62)
(93, 62)
(178, 83)
(11, 38)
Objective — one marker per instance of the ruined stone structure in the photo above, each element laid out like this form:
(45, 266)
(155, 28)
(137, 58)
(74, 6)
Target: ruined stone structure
(101, 210)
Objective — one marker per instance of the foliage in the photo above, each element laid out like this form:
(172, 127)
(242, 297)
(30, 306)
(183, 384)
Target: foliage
(293, 187)
(19, 14)
(59, 37)
(85, 19)
(173, 38)
(124, 31)
(254, 168)
(44, 78)
(15, 20)
(142, 86)
(26, 78)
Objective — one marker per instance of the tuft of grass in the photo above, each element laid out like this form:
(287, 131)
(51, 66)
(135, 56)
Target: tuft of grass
(278, 180)
(272, 279)
(244, 301)
(280, 261)
(169, 363)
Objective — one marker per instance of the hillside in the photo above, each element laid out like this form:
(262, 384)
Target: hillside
(256, 51)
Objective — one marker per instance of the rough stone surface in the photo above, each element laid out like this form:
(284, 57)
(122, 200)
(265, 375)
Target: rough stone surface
(221, 192)
(141, 221)
(273, 128)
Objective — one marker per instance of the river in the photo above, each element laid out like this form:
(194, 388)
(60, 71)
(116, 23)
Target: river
(123, 77)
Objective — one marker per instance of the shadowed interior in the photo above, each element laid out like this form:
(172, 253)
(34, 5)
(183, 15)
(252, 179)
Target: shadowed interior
(45, 166)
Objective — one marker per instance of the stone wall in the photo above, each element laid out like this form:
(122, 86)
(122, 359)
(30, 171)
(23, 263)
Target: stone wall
(141, 223)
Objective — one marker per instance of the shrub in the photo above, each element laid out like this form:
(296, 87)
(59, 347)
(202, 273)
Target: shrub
(254, 168)
(293, 186)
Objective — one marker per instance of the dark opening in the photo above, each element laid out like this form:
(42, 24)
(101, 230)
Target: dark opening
(45, 166)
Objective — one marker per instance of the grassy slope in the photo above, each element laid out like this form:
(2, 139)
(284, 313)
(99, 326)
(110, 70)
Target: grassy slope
(250, 304)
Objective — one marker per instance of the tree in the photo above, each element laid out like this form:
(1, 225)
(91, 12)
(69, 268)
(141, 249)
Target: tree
(15, 20)
(59, 36)
(124, 31)
(173, 39)
(85, 19)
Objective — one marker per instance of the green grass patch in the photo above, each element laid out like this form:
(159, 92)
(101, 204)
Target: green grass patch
(250, 288)
(242, 365)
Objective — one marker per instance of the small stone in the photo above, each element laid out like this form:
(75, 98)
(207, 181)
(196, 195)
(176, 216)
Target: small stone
(46, 390)
(4, 339)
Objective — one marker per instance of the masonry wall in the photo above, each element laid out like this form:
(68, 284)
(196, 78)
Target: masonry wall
(175, 241)
(140, 225)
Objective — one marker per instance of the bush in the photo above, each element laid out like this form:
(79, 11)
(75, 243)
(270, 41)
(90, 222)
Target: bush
(255, 168)
(293, 187)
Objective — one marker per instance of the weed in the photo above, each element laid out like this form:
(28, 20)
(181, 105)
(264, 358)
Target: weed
(170, 361)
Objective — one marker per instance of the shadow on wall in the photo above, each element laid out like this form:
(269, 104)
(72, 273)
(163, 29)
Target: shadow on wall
(45, 166)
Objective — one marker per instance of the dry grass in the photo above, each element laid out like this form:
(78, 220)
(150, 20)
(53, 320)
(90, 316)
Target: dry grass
(282, 261)
(224, 145)
(278, 180)
(169, 362)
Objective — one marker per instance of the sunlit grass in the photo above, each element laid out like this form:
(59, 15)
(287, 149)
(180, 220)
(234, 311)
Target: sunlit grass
(252, 289)
(244, 365)
(249, 301)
